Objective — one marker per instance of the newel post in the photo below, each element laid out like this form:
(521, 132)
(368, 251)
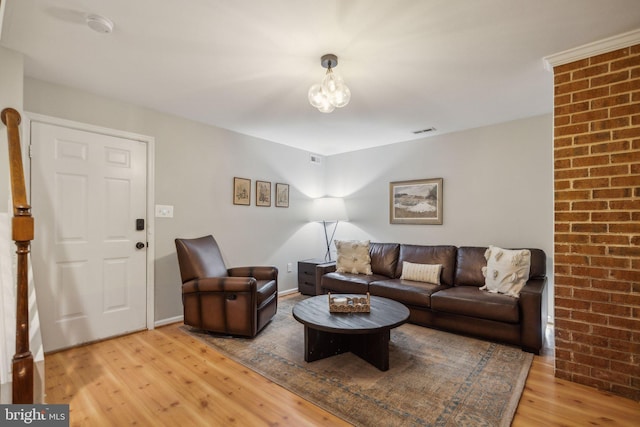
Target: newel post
(22, 234)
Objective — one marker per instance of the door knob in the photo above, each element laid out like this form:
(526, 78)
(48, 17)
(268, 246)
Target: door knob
(140, 245)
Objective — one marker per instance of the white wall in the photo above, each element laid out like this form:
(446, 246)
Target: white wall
(498, 187)
(11, 81)
(194, 169)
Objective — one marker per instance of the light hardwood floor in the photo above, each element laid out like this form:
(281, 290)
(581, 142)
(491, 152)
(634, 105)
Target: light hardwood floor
(165, 377)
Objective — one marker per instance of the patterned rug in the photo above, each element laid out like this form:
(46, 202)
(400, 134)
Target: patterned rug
(434, 379)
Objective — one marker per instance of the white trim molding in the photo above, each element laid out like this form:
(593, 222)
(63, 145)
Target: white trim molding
(169, 321)
(592, 49)
(287, 292)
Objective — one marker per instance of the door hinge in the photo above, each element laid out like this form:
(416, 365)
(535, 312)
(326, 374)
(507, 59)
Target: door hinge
(30, 151)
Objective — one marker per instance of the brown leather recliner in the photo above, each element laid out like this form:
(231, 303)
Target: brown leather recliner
(235, 301)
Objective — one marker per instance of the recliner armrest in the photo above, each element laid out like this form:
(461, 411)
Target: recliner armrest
(259, 272)
(220, 284)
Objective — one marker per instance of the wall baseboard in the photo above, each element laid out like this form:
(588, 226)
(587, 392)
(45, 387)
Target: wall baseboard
(168, 321)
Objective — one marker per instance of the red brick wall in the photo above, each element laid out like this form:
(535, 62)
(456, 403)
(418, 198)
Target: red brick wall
(597, 221)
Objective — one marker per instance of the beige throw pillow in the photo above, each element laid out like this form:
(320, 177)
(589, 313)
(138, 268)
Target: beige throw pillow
(429, 273)
(353, 257)
(507, 271)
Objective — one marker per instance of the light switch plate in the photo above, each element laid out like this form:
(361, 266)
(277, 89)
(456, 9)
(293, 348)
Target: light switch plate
(164, 211)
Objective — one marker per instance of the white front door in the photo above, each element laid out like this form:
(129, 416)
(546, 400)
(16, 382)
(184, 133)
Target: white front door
(88, 196)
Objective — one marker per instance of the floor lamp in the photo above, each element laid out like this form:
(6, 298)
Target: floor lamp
(327, 210)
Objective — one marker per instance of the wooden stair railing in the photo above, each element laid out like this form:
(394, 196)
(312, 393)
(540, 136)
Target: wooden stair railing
(22, 234)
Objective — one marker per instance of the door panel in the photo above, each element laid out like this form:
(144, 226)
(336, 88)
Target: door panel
(87, 191)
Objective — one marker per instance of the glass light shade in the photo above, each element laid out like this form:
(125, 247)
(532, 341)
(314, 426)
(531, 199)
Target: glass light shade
(326, 106)
(330, 82)
(341, 96)
(316, 96)
(335, 90)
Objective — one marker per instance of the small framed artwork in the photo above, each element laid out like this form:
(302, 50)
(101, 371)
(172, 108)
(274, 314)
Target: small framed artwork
(241, 191)
(282, 195)
(263, 193)
(416, 202)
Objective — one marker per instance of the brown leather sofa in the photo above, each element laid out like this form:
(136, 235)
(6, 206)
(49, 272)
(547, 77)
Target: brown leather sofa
(457, 304)
(235, 301)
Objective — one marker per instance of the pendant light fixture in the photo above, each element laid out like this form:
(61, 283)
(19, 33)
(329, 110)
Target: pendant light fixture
(332, 92)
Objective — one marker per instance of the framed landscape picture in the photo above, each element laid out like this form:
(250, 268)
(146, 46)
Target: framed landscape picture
(263, 193)
(282, 195)
(416, 202)
(241, 191)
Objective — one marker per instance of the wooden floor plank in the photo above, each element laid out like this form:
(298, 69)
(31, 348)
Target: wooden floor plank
(550, 401)
(166, 377)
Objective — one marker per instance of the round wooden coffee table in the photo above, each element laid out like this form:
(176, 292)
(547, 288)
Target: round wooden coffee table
(364, 334)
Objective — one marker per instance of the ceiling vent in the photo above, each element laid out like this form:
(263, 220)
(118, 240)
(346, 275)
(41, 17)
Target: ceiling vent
(427, 130)
(315, 159)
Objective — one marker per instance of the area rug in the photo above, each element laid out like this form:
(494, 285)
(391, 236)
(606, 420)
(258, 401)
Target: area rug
(435, 378)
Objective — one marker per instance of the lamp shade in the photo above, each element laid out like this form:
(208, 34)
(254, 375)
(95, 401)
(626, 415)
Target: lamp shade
(328, 209)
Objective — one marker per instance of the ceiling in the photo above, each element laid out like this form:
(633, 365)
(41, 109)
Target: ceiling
(246, 65)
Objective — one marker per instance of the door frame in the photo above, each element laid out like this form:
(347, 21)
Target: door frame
(150, 143)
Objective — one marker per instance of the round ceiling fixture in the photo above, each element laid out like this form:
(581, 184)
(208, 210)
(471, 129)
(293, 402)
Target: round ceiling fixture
(100, 24)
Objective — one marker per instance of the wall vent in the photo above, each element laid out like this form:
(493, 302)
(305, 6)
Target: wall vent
(315, 159)
(418, 132)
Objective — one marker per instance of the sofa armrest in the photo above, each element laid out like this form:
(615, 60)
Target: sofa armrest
(260, 272)
(220, 284)
(533, 303)
(321, 270)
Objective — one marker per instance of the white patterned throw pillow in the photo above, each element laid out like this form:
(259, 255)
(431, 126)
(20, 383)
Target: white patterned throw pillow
(507, 270)
(429, 273)
(353, 257)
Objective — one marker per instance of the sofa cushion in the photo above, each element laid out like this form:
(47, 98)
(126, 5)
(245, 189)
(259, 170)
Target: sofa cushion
(429, 273)
(470, 261)
(347, 283)
(471, 301)
(353, 257)
(384, 258)
(405, 291)
(507, 270)
(418, 254)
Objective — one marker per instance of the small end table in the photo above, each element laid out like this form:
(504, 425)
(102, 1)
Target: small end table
(307, 277)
